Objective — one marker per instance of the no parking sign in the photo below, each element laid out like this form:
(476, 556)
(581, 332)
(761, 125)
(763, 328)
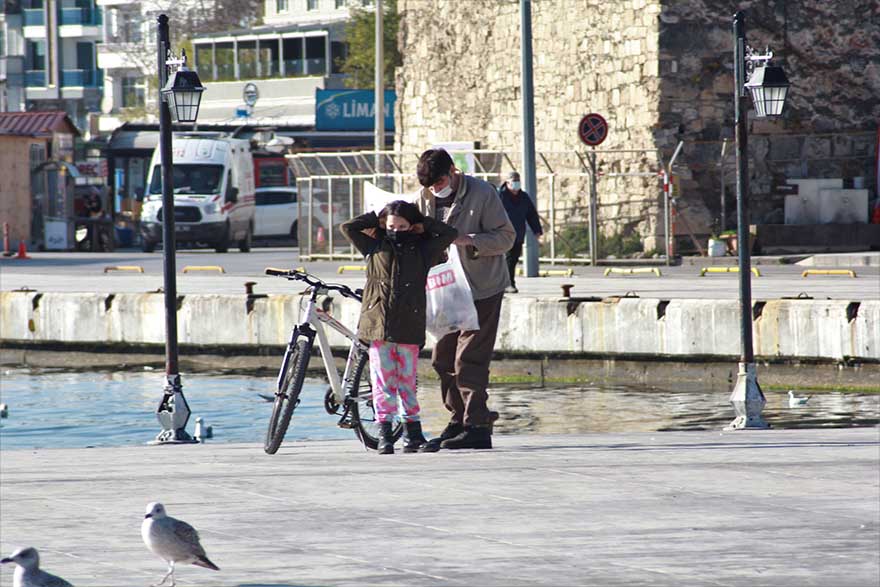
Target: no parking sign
(592, 129)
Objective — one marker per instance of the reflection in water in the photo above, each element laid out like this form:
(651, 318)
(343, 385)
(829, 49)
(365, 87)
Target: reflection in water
(77, 409)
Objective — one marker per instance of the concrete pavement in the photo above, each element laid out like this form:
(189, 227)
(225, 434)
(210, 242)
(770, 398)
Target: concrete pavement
(780, 508)
(84, 272)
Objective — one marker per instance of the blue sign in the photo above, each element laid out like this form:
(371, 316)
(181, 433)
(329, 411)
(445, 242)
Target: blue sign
(351, 109)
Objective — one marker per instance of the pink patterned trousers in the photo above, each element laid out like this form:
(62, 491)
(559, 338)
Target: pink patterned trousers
(393, 375)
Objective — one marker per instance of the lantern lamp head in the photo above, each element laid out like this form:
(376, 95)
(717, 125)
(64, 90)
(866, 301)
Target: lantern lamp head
(768, 86)
(183, 92)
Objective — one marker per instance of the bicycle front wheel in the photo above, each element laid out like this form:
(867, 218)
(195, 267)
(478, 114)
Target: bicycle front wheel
(287, 396)
(360, 395)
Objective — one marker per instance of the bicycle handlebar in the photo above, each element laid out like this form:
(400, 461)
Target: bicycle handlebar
(311, 280)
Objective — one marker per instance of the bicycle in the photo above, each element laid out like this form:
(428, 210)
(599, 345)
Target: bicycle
(350, 396)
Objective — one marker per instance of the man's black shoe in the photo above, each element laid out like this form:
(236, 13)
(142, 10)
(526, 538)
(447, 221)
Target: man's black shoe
(472, 437)
(452, 430)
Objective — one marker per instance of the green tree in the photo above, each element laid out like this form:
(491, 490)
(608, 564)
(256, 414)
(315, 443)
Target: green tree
(360, 61)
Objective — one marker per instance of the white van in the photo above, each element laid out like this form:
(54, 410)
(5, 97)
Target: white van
(213, 193)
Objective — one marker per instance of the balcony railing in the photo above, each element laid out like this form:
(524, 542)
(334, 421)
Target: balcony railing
(34, 17)
(35, 78)
(80, 16)
(79, 78)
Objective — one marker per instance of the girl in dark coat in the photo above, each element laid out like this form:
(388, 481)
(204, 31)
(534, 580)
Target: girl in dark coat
(400, 246)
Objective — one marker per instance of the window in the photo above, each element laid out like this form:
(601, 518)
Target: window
(311, 4)
(36, 55)
(280, 6)
(340, 3)
(134, 92)
(190, 179)
(273, 198)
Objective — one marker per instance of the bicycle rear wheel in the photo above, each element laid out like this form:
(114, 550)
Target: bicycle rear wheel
(359, 392)
(287, 396)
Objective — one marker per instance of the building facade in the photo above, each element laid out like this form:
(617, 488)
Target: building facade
(50, 57)
(660, 72)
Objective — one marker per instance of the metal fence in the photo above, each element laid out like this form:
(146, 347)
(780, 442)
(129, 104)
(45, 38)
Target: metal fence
(592, 204)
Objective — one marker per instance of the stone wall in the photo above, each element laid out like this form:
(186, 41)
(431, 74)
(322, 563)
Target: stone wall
(660, 71)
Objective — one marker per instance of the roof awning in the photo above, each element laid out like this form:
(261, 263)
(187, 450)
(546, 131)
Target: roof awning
(133, 140)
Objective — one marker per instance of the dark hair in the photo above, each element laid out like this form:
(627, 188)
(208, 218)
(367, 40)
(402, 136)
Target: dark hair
(403, 209)
(433, 164)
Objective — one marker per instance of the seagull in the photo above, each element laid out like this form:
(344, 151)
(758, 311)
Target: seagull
(794, 401)
(28, 573)
(173, 540)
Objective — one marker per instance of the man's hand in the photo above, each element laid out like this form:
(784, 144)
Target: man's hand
(464, 240)
(370, 232)
(417, 228)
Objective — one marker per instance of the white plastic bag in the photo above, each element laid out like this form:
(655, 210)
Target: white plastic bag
(450, 303)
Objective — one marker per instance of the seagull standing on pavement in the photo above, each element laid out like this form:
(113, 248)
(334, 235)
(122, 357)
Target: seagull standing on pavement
(28, 573)
(794, 401)
(173, 540)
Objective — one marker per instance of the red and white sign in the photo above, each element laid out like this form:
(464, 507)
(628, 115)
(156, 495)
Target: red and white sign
(92, 168)
(593, 129)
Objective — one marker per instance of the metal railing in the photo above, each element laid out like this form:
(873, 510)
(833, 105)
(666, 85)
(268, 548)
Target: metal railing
(601, 192)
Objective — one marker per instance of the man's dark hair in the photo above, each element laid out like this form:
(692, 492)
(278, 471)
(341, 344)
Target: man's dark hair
(403, 209)
(433, 164)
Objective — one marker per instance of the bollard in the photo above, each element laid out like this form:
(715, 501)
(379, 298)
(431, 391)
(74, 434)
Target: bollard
(566, 289)
(7, 249)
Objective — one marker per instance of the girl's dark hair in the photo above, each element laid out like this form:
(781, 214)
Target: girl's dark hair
(403, 209)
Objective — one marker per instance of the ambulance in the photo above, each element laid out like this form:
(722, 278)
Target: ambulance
(214, 201)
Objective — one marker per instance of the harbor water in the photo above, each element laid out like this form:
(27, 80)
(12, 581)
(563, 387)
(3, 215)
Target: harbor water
(76, 409)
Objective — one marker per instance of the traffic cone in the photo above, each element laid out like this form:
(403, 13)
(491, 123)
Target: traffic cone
(22, 251)
(320, 236)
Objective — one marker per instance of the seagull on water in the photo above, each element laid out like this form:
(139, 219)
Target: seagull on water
(795, 401)
(173, 540)
(28, 573)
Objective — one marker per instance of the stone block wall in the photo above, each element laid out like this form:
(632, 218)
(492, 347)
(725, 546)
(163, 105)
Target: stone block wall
(660, 71)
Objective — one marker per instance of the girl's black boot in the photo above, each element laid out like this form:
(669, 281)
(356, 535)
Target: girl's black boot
(413, 439)
(386, 439)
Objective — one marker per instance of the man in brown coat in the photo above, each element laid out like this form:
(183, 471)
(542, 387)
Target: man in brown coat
(461, 359)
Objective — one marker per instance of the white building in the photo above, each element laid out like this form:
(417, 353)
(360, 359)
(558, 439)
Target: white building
(48, 57)
(287, 58)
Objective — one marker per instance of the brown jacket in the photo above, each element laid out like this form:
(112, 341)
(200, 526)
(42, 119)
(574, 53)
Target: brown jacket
(393, 307)
(477, 211)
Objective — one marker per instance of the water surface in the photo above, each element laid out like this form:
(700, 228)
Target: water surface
(63, 409)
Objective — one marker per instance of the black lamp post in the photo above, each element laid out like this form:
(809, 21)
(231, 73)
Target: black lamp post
(768, 87)
(179, 98)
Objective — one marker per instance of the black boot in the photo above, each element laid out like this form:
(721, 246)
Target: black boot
(413, 439)
(386, 438)
(452, 430)
(472, 437)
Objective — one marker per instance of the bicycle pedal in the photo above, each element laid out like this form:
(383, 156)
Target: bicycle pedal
(345, 423)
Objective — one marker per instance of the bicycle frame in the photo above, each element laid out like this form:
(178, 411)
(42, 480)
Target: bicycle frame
(311, 324)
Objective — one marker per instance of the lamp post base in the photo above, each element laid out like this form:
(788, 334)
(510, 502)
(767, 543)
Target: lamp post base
(747, 400)
(173, 414)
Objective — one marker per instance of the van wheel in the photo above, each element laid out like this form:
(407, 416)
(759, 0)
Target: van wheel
(222, 245)
(244, 245)
(148, 246)
(294, 233)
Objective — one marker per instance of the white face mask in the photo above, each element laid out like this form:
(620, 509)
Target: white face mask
(445, 192)
(515, 185)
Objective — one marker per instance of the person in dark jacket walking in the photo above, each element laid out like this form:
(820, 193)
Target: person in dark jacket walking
(520, 210)
(400, 245)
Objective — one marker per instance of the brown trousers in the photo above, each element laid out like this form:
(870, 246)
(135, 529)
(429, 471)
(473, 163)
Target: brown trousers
(462, 359)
